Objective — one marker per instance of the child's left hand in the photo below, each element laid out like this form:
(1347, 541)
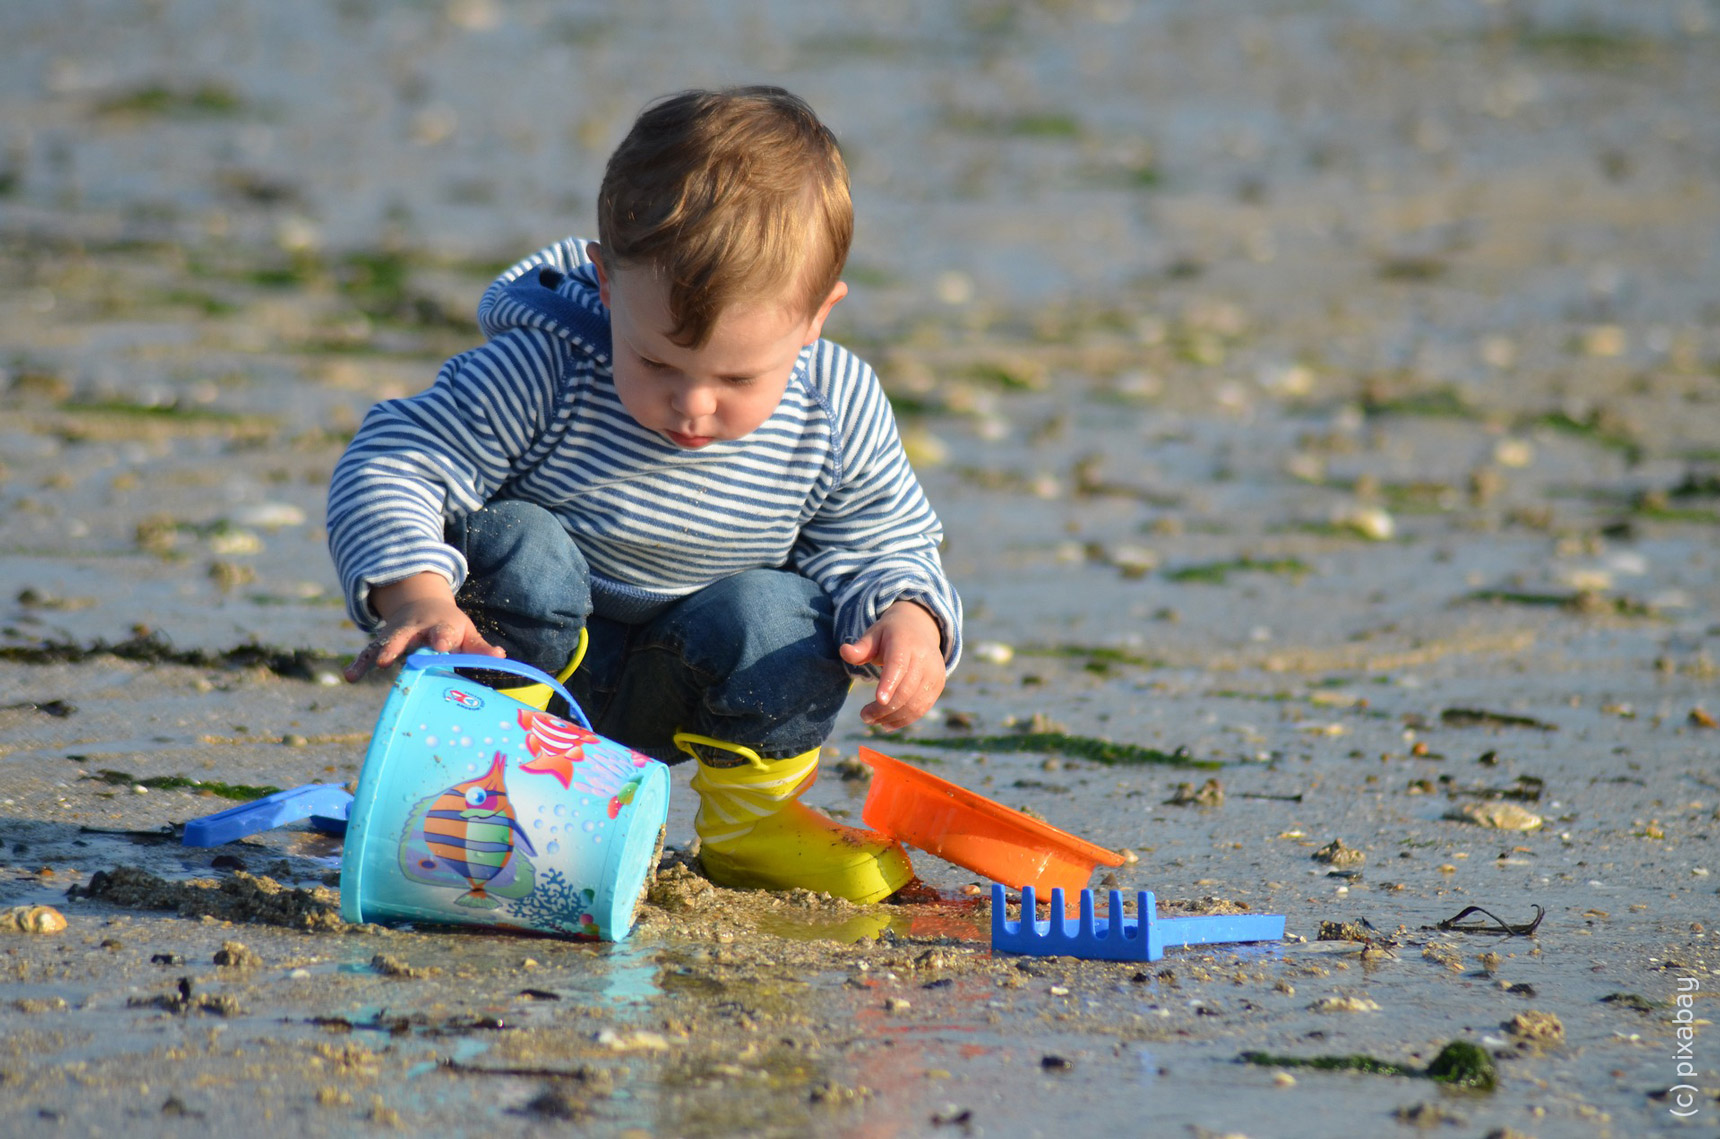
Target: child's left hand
(906, 644)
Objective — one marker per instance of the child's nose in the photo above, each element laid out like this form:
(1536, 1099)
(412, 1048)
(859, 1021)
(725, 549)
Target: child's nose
(695, 400)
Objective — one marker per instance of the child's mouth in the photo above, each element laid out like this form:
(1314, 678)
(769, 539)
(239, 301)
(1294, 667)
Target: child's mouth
(690, 442)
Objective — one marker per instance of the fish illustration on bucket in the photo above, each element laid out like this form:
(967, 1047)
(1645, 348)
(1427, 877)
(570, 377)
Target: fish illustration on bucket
(476, 809)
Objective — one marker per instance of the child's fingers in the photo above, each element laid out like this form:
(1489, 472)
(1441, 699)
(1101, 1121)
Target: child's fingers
(913, 687)
(474, 642)
(862, 651)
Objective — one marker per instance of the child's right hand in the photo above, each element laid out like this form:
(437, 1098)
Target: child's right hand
(417, 612)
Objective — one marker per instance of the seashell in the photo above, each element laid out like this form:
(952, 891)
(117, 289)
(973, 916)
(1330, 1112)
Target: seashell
(32, 919)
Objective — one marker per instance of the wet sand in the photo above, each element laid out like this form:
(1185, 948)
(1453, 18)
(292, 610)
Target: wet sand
(1327, 393)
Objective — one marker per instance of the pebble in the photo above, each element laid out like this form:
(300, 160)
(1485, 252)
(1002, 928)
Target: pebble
(1514, 453)
(236, 543)
(1335, 853)
(237, 955)
(924, 449)
(1344, 1004)
(1371, 522)
(993, 652)
(1499, 816)
(391, 966)
(32, 919)
(270, 515)
(1540, 1029)
(638, 1040)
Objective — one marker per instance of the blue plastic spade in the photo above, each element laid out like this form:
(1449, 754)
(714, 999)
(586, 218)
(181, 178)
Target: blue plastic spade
(324, 804)
(1117, 937)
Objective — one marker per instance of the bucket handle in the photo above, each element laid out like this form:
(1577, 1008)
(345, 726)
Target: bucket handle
(425, 658)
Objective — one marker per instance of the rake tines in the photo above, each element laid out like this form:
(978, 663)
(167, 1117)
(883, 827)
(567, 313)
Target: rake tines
(1116, 937)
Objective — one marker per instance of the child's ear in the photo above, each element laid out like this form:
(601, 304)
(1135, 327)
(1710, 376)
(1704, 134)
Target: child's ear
(595, 252)
(816, 329)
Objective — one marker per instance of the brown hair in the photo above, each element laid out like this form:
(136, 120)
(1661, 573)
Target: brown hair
(730, 195)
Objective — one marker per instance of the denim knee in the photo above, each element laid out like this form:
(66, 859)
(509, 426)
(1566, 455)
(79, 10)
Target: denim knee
(527, 586)
(764, 644)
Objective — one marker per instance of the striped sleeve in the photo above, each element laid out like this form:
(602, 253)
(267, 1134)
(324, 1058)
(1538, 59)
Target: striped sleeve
(443, 452)
(874, 540)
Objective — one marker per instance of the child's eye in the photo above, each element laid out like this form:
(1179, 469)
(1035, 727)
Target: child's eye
(654, 365)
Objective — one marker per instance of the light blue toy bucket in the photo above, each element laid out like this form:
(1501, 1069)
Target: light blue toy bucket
(476, 809)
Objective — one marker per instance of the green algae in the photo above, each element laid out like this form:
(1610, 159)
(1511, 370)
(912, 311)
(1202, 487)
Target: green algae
(1094, 750)
(1098, 659)
(1584, 601)
(165, 411)
(1026, 124)
(158, 100)
(1459, 1063)
(1443, 402)
(1218, 573)
(153, 648)
(1599, 427)
(238, 792)
(1464, 1065)
(1591, 44)
(1354, 1062)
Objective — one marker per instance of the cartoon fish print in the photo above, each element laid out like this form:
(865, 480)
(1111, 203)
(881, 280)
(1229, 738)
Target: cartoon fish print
(581, 759)
(466, 836)
(624, 796)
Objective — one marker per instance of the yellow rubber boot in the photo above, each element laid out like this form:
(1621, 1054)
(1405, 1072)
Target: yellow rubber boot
(756, 834)
(539, 695)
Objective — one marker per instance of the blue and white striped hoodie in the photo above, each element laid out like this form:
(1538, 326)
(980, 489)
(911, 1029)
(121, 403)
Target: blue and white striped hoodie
(822, 487)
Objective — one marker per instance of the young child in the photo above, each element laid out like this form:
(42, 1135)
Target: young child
(656, 480)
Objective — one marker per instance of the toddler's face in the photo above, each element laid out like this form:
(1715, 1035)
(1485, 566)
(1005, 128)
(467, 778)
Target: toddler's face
(724, 389)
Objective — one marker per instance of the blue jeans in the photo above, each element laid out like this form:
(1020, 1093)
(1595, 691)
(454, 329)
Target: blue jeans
(750, 659)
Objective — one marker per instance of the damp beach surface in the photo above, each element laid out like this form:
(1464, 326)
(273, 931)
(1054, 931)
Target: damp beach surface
(1323, 405)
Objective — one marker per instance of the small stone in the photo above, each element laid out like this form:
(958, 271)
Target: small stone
(391, 966)
(1335, 853)
(1604, 340)
(270, 515)
(993, 652)
(30, 1005)
(236, 955)
(1536, 1029)
(924, 449)
(896, 1004)
(1426, 1115)
(381, 1114)
(931, 959)
(1514, 453)
(32, 919)
(1498, 815)
(639, 1040)
(1371, 522)
(1209, 794)
(557, 1102)
(1344, 1004)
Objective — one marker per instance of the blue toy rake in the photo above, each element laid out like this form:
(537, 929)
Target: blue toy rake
(1117, 937)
